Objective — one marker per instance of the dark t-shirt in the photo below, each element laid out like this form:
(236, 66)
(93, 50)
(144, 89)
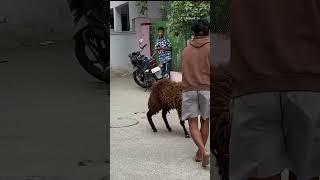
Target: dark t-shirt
(275, 45)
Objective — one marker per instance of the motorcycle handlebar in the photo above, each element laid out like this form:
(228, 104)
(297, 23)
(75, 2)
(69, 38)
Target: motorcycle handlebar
(143, 46)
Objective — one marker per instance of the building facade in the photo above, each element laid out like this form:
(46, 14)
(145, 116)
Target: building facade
(125, 30)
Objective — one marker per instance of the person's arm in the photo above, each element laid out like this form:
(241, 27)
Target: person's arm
(155, 52)
(165, 49)
(157, 45)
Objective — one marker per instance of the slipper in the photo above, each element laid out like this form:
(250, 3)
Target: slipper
(205, 161)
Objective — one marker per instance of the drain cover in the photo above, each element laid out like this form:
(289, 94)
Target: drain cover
(123, 122)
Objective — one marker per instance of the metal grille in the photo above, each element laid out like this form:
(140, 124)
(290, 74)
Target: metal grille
(220, 16)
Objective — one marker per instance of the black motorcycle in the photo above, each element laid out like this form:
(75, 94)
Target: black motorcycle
(92, 39)
(146, 69)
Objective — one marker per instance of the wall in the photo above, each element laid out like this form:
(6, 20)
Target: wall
(117, 3)
(121, 44)
(117, 19)
(31, 20)
(153, 11)
(143, 32)
(133, 13)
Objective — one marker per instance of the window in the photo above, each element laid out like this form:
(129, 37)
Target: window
(111, 19)
(120, 18)
(125, 21)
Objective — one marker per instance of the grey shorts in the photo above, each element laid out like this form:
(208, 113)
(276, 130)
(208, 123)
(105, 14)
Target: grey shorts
(274, 131)
(194, 104)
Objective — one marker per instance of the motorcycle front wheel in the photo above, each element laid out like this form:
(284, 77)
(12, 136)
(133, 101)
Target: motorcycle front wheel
(89, 65)
(139, 78)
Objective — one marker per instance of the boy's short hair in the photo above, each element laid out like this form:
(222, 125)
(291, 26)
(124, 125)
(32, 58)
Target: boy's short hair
(200, 27)
(160, 28)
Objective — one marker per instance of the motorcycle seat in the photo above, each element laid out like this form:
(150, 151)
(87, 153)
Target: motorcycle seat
(135, 53)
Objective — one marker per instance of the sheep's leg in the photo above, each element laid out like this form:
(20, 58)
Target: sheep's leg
(164, 116)
(149, 116)
(184, 128)
(183, 125)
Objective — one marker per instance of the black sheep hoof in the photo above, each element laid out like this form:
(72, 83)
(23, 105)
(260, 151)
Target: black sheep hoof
(155, 131)
(187, 136)
(170, 130)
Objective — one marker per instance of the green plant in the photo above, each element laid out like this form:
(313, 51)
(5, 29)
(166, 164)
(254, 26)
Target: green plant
(164, 6)
(142, 6)
(182, 13)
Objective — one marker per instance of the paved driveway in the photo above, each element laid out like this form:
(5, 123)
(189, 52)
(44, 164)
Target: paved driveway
(139, 153)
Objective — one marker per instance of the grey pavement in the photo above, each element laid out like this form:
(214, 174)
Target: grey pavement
(139, 153)
(52, 114)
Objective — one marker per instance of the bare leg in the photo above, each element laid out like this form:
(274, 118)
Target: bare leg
(204, 130)
(204, 134)
(197, 138)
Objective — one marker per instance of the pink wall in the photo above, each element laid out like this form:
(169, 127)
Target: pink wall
(143, 31)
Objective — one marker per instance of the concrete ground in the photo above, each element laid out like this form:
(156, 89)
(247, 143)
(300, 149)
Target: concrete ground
(139, 153)
(52, 114)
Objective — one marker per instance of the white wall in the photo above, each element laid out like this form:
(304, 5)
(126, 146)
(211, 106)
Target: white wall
(117, 19)
(121, 44)
(154, 12)
(117, 3)
(133, 13)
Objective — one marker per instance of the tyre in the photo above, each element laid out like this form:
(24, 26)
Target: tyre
(93, 68)
(139, 78)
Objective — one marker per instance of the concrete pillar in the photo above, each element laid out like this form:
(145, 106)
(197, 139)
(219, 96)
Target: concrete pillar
(133, 13)
(117, 19)
(143, 31)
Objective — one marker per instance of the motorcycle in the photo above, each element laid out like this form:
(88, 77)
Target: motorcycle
(92, 39)
(146, 69)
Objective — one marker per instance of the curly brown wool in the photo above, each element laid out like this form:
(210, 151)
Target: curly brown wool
(165, 95)
(219, 111)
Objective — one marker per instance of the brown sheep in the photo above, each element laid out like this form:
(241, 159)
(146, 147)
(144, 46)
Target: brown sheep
(165, 95)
